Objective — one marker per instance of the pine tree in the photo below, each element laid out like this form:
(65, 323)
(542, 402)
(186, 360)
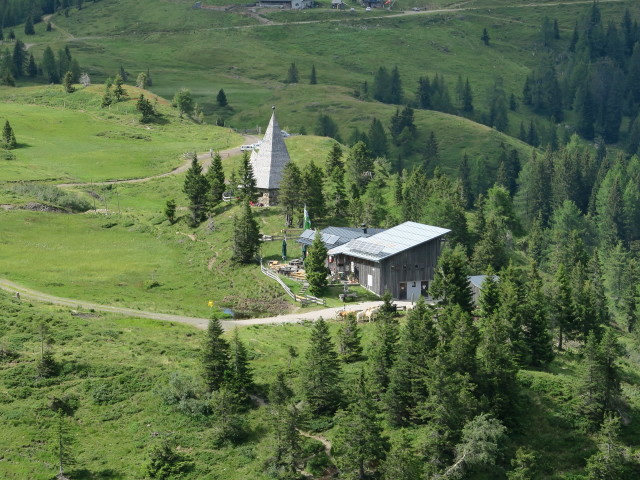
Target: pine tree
(536, 322)
(402, 463)
(320, 372)
(118, 90)
(279, 391)
(240, 378)
(247, 180)
(315, 266)
(215, 357)
(286, 442)
(312, 79)
(195, 187)
(485, 36)
(401, 369)
(19, 59)
(496, 367)
(221, 98)
(246, 236)
(292, 74)
(28, 26)
(215, 179)
(377, 139)
(359, 443)
(450, 283)
(32, 68)
(170, 210)
(312, 186)
(349, 337)
(290, 194)
(609, 462)
(424, 93)
(395, 87)
(8, 137)
(64, 409)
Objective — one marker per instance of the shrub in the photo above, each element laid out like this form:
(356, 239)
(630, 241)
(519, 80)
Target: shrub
(53, 195)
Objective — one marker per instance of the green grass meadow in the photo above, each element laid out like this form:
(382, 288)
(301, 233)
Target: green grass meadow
(117, 369)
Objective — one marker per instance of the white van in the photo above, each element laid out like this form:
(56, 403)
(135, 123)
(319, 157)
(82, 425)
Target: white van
(246, 148)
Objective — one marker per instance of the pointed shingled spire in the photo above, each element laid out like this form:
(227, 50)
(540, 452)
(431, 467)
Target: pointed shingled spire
(269, 162)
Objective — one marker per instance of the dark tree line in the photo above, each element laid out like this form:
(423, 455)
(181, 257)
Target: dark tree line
(597, 75)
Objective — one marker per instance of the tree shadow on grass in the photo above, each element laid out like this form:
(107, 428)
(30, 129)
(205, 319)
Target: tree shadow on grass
(84, 474)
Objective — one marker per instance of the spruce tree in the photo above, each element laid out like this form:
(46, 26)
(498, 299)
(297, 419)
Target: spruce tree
(246, 236)
(497, 367)
(286, 443)
(609, 463)
(247, 180)
(118, 90)
(377, 139)
(280, 391)
(215, 179)
(312, 79)
(315, 266)
(320, 373)
(537, 335)
(359, 443)
(222, 99)
(28, 26)
(215, 356)
(195, 188)
(312, 186)
(485, 36)
(8, 137)
(240, 378)
(467, 98)
(290, 194)
(402, 463)
(349, 337)
(451, 283)
(32, 68)
(292, 74)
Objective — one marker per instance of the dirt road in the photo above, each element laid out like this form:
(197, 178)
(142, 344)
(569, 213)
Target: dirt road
(25, 293)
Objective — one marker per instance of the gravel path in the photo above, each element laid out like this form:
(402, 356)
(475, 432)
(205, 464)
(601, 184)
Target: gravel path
(204, 158)
(201, 323)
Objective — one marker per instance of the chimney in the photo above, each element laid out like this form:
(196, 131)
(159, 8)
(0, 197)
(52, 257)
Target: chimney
(364, 227)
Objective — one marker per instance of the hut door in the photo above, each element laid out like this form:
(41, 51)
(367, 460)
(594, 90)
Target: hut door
(403, 291)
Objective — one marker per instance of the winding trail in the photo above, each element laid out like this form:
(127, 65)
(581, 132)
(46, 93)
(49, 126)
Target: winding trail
(25, 293)
(204, 158)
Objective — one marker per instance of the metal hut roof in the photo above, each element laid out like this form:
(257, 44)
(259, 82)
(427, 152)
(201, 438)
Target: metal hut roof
(390, 242)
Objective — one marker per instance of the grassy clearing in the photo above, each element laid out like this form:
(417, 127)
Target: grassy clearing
(70, 138)
(119, 260)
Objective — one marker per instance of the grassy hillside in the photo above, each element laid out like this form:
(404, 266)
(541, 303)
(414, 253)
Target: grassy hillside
(118, 371)
(70, 138)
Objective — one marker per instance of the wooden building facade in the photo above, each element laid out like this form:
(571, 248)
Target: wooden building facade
(401, 260)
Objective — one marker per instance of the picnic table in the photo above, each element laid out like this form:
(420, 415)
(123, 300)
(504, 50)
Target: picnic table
(345, 297)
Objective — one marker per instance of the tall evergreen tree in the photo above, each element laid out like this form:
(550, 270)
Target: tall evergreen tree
(359, 443)
(215, 179)
(320, 372)
(312, 186)
(312, 78)
(221, 98)
(290, 194)
(292, 74)
(315, 266)
(195, 187)
(8, 137)
(50, 66)
(215, 356)
(240, 377)
(377, 139)
(349, 338)
(450, 283)
(247, 180)
(246, 236)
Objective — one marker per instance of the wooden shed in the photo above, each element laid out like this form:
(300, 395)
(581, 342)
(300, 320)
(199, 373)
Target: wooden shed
(401, 259)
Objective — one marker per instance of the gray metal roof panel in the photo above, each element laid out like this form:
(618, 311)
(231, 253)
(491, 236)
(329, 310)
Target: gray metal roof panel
(391, 242)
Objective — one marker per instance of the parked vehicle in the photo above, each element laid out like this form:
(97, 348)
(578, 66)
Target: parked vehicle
(246, 148)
